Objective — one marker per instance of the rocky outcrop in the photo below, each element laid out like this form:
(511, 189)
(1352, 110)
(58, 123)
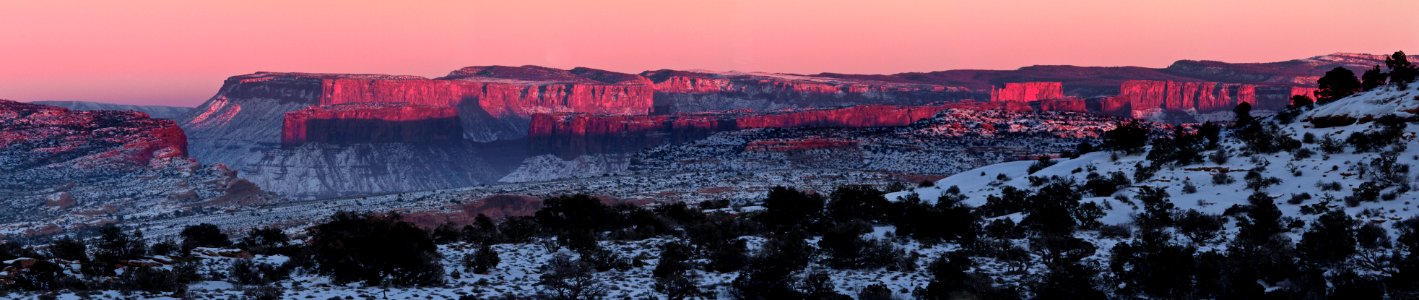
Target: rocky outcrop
(1027, 91)
(1144, 96)
(493, 102)
(34, 135)
(1067, 104)
(1303, 91)
(693, 91)
(262, 124)
(66, 167)
(570, 135)
(371, 123)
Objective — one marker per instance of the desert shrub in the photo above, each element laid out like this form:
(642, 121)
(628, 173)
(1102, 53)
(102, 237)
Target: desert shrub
(375, 250)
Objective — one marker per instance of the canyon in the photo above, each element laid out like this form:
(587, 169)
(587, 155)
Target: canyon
(297, 133)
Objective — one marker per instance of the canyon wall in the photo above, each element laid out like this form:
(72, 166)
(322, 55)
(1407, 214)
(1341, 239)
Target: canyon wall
(371, 123)
(310, 135)
(42, 136)
(691, 92)
(1027, 91)
(1142, 96)
(571, 135)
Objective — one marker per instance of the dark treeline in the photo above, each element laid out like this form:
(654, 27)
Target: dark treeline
(1336, 257)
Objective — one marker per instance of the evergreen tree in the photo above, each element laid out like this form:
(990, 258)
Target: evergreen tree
(267, 241)
(1372, 79)
(951, 279)
(203, 235)
(69, 249)
(375, 249)
(114, 246)
(1330, 239)
(1153, 266)
(1337, 83)
(1263, 220)
(768, 276)
(673, 275)
(1401, 71)
(565, 279)
(857, 202)
(790, 209)
(485, 259)
(1129, 137)
(1302, 102)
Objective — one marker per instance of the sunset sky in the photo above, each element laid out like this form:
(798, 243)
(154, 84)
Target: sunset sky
(178, 52)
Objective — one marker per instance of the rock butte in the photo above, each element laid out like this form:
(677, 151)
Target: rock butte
(42, 134)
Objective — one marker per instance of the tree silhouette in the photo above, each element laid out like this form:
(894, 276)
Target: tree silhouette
(1372, 78)
(1401, 72)
(1337, 83)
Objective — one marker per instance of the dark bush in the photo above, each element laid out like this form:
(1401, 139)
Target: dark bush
(375, 250)
(203, 235)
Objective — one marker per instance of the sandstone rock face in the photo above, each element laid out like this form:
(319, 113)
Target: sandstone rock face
(1027, 91)
(155, 111)
(34, 135)
(371, 123)
(273, 126)
(493, 102)
(69, 167)
(254, 116)
(1067, 104)
(692, 91)
(570, 135)
(1146, 95)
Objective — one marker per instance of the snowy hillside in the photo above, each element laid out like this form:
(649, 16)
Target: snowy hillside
(1298, 175)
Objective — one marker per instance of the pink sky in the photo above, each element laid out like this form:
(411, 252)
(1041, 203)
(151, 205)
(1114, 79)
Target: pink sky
(178, 52)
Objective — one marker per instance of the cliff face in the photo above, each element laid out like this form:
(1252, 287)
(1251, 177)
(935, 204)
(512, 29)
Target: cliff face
(70, 168)
(371, 123)
(260, 123)
(571, 135)
(494, 102)
(1027, 91)
(1068, 104)
(690, 92)
(45, 136)
(1150, 95)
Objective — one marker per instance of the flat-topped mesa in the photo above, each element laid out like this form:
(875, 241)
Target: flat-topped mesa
(523, 91)
(371, 123)
(39, 135)
(495, 102)
(697, 91)
(1027, 91)
(1142, 97)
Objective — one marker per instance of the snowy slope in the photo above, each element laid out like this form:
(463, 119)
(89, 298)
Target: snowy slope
(1297, 175)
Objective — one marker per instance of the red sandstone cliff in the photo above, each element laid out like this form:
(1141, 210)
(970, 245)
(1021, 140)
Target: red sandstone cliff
(691, 91)
(371, 123)
(38, 135)
(1139, 96)
(1027, 91)
(575, 134)
(492, 102)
